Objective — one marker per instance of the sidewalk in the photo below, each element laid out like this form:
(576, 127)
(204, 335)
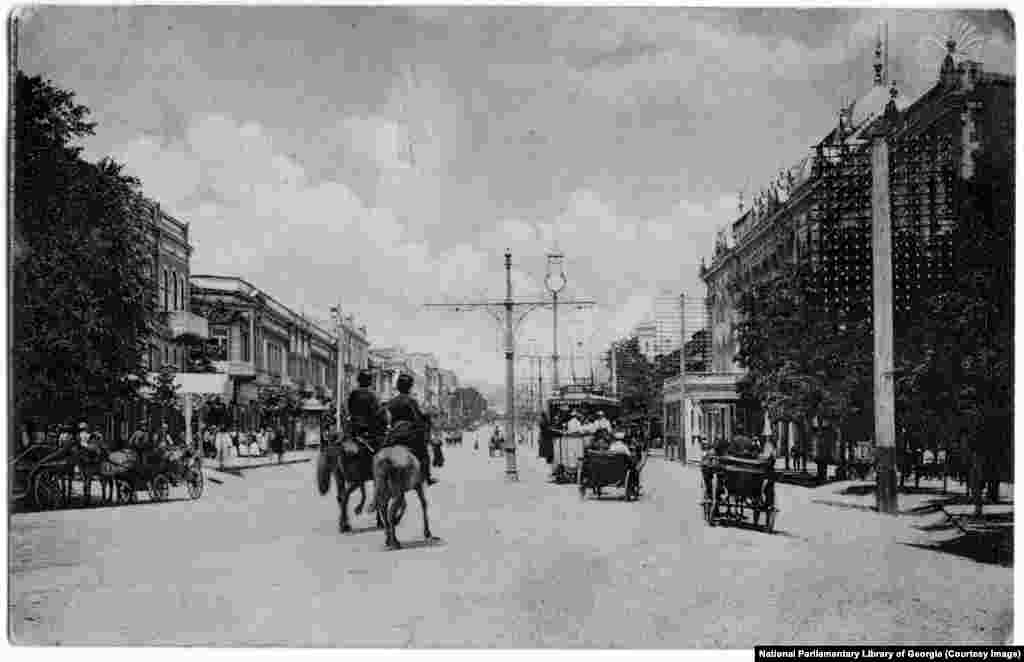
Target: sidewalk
(235, 464)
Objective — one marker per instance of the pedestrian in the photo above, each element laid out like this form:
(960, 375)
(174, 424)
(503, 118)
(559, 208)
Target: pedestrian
(277, 443)
(223, 443)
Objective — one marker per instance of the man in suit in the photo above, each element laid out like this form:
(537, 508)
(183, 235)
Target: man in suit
(403, 407)
(365, 412)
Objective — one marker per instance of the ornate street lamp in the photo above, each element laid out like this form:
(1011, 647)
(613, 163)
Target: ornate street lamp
(555, 282)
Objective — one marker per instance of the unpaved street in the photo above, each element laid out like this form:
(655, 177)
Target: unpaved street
(259, 560)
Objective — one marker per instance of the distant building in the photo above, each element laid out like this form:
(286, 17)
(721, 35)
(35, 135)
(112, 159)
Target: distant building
(668, 323)
(646, 333)
(261, 343)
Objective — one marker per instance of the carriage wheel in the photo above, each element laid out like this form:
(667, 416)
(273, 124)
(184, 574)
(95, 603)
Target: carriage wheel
(159, 488)
(194, 481)
(48, 490)
(124, 491)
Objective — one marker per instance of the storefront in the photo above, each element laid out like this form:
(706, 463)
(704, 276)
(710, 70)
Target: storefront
(310, 423)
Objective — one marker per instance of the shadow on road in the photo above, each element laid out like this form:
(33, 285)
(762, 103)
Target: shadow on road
(362, 529)
(418, 544)
(79, 504)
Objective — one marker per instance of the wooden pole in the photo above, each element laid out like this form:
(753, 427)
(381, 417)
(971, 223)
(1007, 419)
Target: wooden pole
(881, 249)
(510, 404)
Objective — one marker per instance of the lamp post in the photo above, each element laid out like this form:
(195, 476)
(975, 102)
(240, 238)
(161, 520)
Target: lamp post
(338, 327)
(555, 282)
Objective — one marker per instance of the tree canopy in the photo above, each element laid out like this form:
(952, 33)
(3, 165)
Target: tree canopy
(82, 295)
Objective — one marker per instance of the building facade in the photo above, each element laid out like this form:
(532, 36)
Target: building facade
(262, 344)
(355, 351)
(818, 212)
(646, 333)
(176, 328)
(668, 323)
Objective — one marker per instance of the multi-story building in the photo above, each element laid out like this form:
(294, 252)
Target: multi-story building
(448, 382)
(355, 351)
(668, 323)
(386, 364)
(259, 342)
(176, 325)
(426, 364)
(646, 333)
(819, 213)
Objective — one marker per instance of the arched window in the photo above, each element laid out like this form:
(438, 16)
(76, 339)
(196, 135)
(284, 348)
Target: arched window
(174, 299)
(167, 286)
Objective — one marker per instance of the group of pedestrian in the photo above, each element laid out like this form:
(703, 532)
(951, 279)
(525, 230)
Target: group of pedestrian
(225, 443)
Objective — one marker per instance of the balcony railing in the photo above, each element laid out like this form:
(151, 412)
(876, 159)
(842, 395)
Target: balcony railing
(183, 322)
(235, 368)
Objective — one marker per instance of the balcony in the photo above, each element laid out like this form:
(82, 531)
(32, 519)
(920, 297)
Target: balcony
(235, 368)
(185, 323)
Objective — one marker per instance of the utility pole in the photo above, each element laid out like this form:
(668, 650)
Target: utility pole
(508, 308)
(339, 329)
(614, 362)
(881, 252)
(555, 281)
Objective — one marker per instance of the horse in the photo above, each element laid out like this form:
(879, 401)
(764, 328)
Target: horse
(350, 461)
(396, 470)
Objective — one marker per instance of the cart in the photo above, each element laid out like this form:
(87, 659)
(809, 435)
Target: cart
(154, 475)
(600, 469)
(736, 486)
(40, 480)
(569, 449)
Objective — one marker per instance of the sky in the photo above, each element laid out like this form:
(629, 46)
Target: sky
(384, 158)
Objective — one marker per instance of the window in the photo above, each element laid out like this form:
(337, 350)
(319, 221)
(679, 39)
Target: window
(220, 336)
(174, 300)
(167, 283)
(245, 346)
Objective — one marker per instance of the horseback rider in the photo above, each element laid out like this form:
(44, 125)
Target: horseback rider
(367, 419)
(403, 407)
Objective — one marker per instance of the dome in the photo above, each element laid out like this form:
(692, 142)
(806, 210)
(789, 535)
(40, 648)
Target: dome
(873, 104)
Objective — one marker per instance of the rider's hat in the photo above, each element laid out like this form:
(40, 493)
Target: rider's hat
(404, 382)
(364, 378)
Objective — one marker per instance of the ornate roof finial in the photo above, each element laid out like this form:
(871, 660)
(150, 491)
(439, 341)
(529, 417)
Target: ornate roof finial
(879, 79)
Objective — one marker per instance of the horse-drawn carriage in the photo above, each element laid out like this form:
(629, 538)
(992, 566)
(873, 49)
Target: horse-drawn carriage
(40, 480)
(601, 469)
(568, 447)
(155, 474)
(51, 477)
(734, 486)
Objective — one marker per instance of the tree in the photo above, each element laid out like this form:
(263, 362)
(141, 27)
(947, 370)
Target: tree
(165, 392)
(965, 369)
(81, 241)
(279, 405)
(826, 376)
(636, 380)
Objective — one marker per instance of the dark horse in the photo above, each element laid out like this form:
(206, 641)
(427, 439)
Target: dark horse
(396, 470)
(351, 462)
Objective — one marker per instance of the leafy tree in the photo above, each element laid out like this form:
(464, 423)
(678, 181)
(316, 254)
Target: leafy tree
(165, 392)
(964, 373)
(827, 374)
(82, 294)
(279, 405)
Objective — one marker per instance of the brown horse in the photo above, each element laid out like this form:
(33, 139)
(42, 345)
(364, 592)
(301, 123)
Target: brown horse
(396, 470)
(350, 461)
